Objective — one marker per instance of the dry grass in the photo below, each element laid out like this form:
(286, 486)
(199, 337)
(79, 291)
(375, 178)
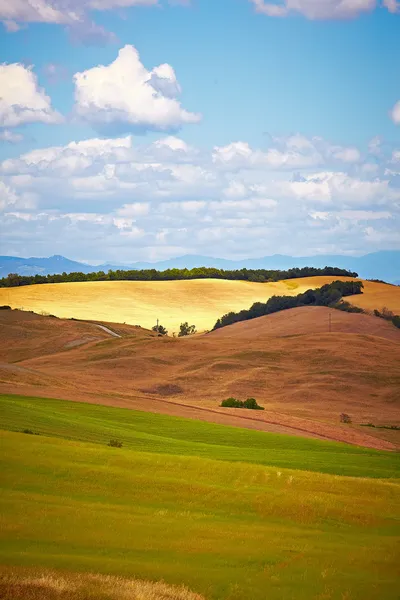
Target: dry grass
(304, 376)
(18, 584)
(200, 302)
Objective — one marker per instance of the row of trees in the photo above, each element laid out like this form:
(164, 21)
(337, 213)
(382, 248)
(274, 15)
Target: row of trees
(328, 295)
(255, 275)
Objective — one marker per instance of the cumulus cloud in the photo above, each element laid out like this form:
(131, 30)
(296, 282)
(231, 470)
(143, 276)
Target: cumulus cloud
(340, 189)
(321, 9)
(395, 114)
(71, 13)
(293, 152)
(126, 95)
(71, 159)
(22, 100)
(10, 199)
(151, 201)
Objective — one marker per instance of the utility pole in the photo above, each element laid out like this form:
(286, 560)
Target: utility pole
(157, 325)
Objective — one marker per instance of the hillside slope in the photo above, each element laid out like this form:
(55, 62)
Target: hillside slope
(307, 320)
(200, 302)
(304, 379)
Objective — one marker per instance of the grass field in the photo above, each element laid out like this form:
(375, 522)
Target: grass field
(190, 503)
(200, 302)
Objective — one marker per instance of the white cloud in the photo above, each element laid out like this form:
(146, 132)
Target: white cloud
(71, 13)
(11, 200)
(122, 94)
(395, 113)
(346, 155)
(393, 6)
(9, 136)
(293, 152)
(319, 9)
(340, 190)
(73, 158)
(240, 155)
(167, 198)
(22, 100)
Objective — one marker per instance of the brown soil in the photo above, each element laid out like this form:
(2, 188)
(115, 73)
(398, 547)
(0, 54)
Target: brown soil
(303, 375)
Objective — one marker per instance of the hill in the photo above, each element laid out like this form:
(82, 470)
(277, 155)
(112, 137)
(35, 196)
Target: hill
(304, 376)
(308, 320)
(377, 265)
(226, 512)
(201, 302)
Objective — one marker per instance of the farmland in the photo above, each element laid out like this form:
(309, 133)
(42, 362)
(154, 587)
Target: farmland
(201, 302)
(227, 512)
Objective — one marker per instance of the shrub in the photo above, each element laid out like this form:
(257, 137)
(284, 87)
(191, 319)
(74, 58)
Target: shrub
(251, 404)
(347, 307)
(345, 418)
(115, 444)
(160, 329)
(396, 321)
(232, 403)
(29, 431)
(5, 307)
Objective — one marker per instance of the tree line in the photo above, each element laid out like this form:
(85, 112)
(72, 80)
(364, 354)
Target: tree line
(254, 275)
(331, 295)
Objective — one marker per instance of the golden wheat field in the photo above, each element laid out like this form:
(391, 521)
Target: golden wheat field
(200, 302)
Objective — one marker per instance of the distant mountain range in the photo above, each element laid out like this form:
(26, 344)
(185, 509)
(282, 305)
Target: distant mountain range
(383, 265)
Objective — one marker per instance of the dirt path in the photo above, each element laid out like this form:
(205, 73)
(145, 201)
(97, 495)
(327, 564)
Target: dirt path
(106, 330)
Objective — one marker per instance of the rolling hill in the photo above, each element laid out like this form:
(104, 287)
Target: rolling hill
(303, 375)
(200, 302)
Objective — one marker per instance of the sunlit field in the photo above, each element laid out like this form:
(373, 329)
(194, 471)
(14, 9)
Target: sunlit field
(200, 302)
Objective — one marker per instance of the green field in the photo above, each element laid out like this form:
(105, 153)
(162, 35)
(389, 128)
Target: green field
(233, 514)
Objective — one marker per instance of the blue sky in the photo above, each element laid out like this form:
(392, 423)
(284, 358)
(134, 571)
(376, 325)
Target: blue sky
(259, 141)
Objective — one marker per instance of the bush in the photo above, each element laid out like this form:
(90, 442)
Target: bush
(347, 307)
(29, 431)
(232, 403)
(186, 329)
(250, 404)
(115, 444)
(396, 321)
(160, 329)
(345, 418)
(5, 307)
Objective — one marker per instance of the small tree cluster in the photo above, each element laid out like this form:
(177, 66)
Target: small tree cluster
(186, 329)
(388, 315)
(250, 403)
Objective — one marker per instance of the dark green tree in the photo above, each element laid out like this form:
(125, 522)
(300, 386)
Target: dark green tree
(186, 329)
(160, 329)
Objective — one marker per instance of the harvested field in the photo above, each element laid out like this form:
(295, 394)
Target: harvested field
(200, 302)
(302, 375)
